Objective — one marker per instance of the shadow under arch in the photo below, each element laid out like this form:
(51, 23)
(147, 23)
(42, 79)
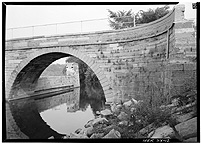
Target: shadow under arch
(24, 77)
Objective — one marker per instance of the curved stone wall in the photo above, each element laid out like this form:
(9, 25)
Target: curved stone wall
(111, 54)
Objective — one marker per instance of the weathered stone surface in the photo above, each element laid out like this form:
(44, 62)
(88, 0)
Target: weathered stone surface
(132, 54)
(116, 109)
(89, 124)
(89, 131)
(123, 123)
(188, 128)
(122, 116)
(51, 137)
(97, 135)
(78, 131)
(106, 112)
(128, 104)
(113, 134)
(185, 117)
(193, 139)
(163, 132)
(74, 135)
(147, 129)
(98, 120)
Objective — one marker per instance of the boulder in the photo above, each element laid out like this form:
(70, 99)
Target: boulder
(106, 112)
(52, 137)
(185, 117)
(128, 104)
(97, 135)
(134, 101)
(98, 113)
(147, 129)
(113, 134)
(99, 121)
(116, 109)
(74, 135)
(89, 131)
(188, 128)
(151, 134)
(122, 116)
(193, 139)
(66, 137)
(163, 132)
(78, 131)
(89, 124)
(123, 123)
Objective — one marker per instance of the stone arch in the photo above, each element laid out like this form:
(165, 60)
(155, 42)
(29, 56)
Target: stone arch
(62, 51)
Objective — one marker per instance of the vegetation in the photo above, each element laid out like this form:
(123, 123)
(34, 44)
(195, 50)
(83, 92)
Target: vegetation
(125, 19)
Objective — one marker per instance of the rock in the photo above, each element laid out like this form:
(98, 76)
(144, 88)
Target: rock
(66, 137)
(89, 124)
(134, 101)
(185, 117)
(51, 137)
(74, 135)
(106, 112)
(193, 139)
(113, 134)
(98, 113)
(122, 116)
(133, 110)
(163, 132)
(151, 134)
(147, 129)
(89, 131)
(99, 120)
(116, 109)
(128, 104)
(78, 131)
(97, 135)
(188, 128)
(123, 123)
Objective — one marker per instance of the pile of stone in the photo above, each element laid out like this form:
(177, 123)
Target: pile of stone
(109, 122)
(106, 124)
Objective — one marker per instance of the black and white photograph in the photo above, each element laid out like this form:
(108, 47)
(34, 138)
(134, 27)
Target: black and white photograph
(100, 72)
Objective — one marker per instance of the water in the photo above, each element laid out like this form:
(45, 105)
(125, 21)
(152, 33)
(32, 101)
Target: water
(57, 115)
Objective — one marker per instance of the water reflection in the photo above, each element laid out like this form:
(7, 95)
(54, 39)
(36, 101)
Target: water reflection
(56, 115)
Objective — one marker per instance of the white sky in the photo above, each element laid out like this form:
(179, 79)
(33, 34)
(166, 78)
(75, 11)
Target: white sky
(30, 15)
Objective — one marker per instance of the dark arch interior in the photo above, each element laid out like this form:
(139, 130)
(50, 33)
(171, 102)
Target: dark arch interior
(25, 83)
(29, 75)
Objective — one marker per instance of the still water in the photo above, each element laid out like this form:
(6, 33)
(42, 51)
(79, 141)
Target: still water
(55, 116)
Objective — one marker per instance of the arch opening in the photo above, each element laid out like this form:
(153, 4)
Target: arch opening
(25, 82)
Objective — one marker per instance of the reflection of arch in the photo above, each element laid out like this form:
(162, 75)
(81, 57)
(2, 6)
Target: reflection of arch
(33, 66)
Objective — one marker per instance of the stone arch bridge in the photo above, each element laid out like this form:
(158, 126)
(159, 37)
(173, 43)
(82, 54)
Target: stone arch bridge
(125, 61)
(150, 59)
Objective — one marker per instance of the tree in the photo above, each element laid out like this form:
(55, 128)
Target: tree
(151, 15)
(121, 19)
(125, 19)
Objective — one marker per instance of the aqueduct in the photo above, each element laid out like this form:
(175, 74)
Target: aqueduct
(127, 62)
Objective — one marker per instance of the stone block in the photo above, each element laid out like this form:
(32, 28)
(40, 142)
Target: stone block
(185, 117)
(175, 67)
(163, 132)
(188, 128)
(193, 139)
(190, 66)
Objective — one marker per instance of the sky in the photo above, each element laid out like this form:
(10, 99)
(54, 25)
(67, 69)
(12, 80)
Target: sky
(30, 15)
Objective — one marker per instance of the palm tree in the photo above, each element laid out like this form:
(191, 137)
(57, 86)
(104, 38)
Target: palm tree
(121, 19)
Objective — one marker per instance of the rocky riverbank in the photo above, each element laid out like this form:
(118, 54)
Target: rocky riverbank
(126, 120)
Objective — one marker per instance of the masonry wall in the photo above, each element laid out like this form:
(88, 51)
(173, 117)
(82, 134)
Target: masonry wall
(135, 61)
